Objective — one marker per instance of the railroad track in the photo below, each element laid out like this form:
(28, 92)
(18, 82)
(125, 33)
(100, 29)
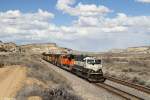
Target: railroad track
(135, 86)
(140, 92)
(124, 94)
(117, 91)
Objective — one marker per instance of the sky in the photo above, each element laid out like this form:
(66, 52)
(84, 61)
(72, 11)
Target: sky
(86, 25)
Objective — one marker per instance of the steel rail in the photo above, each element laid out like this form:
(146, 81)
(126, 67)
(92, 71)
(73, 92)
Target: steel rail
(114, 90)
(119, 92)
(125, 83)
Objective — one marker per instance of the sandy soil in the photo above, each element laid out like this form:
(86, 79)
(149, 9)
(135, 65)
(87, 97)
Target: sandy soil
(34, 98)
(11, 80)
(31, 78)
(32, 81)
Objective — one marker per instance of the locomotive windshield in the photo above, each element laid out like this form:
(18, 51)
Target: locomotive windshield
(92, 61)
(97, 61)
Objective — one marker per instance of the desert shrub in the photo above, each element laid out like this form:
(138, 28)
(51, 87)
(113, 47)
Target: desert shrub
(57, 93)
(135, 80)
(1, 65)
(148, 84)
(138, 63)
(141, 82)
(143, 73)
(138, 81)
(131, 70)
(30, 90)
(113, 75)
(107, 60)
(128, 70)
(12, 59)
(37, 69)
(124, 70)
(35, 66)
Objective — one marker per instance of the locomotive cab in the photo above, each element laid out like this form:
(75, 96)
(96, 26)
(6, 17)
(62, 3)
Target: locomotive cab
(93, 63)
(94, 67)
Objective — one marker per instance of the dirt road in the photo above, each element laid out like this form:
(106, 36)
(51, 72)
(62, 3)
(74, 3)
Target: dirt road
(12, 78)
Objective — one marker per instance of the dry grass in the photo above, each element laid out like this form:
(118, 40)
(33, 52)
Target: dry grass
(37, 69)
(35, 66)
(57, 93)
(133, 68)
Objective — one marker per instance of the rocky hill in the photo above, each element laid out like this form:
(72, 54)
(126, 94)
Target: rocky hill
(131, 64)
(54, 48)
(141, 49)
(32, 48)
(38, 48)
(8, 47)
(44, 47)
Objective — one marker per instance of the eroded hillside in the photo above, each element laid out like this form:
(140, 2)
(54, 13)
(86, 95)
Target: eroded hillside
(36, 48)
(26, 76)
(131, 64)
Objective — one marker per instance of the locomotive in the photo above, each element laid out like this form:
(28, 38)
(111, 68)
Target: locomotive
(86, 67)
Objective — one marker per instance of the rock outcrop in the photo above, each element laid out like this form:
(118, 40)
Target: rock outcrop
(44, 47)
(36, 48)
(141, 49)
(8, 47)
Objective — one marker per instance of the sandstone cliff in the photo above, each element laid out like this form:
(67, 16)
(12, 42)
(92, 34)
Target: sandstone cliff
(36, 48)
(44, 47)
(140, 49)
(8, 47)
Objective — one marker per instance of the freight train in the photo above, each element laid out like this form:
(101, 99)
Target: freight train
(86, 67)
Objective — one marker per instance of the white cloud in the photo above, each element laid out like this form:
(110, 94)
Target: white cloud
(87, 21)
(143, 1)
(19, 26)
(102, 32)
(88, 32)
(81, 9)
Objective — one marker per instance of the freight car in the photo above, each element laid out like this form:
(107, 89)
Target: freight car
(89, 68)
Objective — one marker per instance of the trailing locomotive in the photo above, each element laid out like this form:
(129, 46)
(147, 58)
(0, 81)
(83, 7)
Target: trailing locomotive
(89, 68)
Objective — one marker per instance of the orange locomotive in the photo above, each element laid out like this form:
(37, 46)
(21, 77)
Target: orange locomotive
(60, 60)
(86, 67)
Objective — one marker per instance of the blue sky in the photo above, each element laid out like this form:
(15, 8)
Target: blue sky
(69, 22)
(129, 7)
